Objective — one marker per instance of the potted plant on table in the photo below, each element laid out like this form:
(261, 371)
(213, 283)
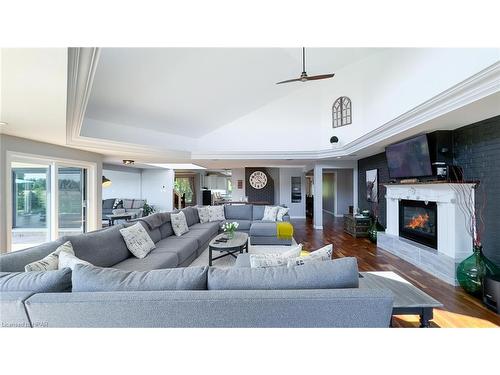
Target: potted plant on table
(230, 228)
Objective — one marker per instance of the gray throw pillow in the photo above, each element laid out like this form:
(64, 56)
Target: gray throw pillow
(51, 261)
(36, 281)
(339, 273)
(137, 239)
(179, 223)
(96, 279)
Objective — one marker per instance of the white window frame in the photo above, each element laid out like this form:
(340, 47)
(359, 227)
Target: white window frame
(54, 163)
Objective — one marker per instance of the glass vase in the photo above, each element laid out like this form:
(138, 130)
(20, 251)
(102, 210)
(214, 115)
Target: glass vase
(230, 234)
(471, 271)
(374, 228)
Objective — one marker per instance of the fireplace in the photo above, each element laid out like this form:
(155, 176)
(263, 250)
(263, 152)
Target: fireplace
(418, 221)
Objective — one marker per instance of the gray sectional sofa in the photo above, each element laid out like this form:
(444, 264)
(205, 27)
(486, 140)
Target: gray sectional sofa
(213, 307)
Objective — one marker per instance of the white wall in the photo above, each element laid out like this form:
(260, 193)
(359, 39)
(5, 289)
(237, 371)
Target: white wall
(124, 184)
(157, 188)
(238, 174)
(297, 210)
(343, 191)
(382, 87)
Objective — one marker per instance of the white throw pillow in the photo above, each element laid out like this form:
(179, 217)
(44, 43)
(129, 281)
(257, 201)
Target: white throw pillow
(320, 255)
(282, 211)
(216, 213)
(270, 213)
(179, 223)
(274, 259)
(68, 260)
(137, 240)
(51, 261)
(203, 213)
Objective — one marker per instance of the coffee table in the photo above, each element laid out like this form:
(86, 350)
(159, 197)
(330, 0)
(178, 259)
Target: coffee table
(237, 244)
(112, 218)
(408, 299)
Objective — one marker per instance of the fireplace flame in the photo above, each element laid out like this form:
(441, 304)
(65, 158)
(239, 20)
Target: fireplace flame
(418, 221)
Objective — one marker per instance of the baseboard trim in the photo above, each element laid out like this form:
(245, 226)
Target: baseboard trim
(297, 217)
(319, 227)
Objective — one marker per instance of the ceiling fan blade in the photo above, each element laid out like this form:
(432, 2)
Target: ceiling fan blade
(290, 80)
(322, 76)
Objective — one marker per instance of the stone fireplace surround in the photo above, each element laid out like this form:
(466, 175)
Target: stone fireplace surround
(453, 241)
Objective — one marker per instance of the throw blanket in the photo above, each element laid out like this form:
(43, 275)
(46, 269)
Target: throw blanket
(284, 230)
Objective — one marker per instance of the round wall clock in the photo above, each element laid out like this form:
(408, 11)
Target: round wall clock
(258, 180)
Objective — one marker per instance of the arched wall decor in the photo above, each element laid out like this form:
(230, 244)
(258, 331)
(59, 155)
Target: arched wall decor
(341, 112)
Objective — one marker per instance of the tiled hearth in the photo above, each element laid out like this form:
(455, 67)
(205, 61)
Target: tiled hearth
(453, 241)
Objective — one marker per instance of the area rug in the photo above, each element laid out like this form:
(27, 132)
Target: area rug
(228, 261)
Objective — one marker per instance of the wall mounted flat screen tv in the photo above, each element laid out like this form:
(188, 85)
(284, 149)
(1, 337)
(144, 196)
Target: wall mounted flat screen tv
(409, 158)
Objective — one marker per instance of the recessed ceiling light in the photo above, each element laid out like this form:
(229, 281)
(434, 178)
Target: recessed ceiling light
(176, 166)
(128, 161)
(339, 157)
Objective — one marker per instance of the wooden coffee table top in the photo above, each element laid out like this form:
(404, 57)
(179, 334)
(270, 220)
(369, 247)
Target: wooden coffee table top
(239, 239)
(406, 295)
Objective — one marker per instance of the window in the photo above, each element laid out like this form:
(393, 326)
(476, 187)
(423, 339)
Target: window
(341, 112)
(48, 199)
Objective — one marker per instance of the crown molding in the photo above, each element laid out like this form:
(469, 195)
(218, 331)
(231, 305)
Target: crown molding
(82, 65)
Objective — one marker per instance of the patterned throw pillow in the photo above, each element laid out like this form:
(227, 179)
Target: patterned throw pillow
(274, 259)
(118, 204)
(179, 223)
(51, 261)
(68, 260)
(320, 255)
(216, 213)
(137, 240)
(270, 213)
(282, 211)
(203, 213)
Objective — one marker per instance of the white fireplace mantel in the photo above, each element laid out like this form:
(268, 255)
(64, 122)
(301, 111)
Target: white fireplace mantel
(454, 243)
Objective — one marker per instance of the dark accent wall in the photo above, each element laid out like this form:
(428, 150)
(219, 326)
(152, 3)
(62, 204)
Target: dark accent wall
(477, 151)
(265, 194)
(373, 162)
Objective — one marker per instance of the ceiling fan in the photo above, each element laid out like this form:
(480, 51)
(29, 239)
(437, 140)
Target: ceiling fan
(303, 76)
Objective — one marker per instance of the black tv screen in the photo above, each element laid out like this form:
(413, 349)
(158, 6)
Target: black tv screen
(409, 158)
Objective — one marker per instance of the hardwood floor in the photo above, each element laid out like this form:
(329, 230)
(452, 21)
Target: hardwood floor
(459, 310)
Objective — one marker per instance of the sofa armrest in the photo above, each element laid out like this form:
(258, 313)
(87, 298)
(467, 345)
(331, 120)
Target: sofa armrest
(286, 217)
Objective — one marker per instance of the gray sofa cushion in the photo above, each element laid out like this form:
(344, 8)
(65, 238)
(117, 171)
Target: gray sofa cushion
(107, 204)
(214, 226)
(183, 246)
(16, 260)
(102, 248)
(339, 273)
(36, 282)
(96, 279)
(153, 261)
(263, 229)
(238, 212)
(202, 235)
(166, 230)
(258, 212)
(154, 221)
(13, 312)
(191, 214)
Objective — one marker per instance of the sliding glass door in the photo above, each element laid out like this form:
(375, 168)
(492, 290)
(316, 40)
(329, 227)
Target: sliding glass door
(49, 200)
(31, 204)
(71, 200)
